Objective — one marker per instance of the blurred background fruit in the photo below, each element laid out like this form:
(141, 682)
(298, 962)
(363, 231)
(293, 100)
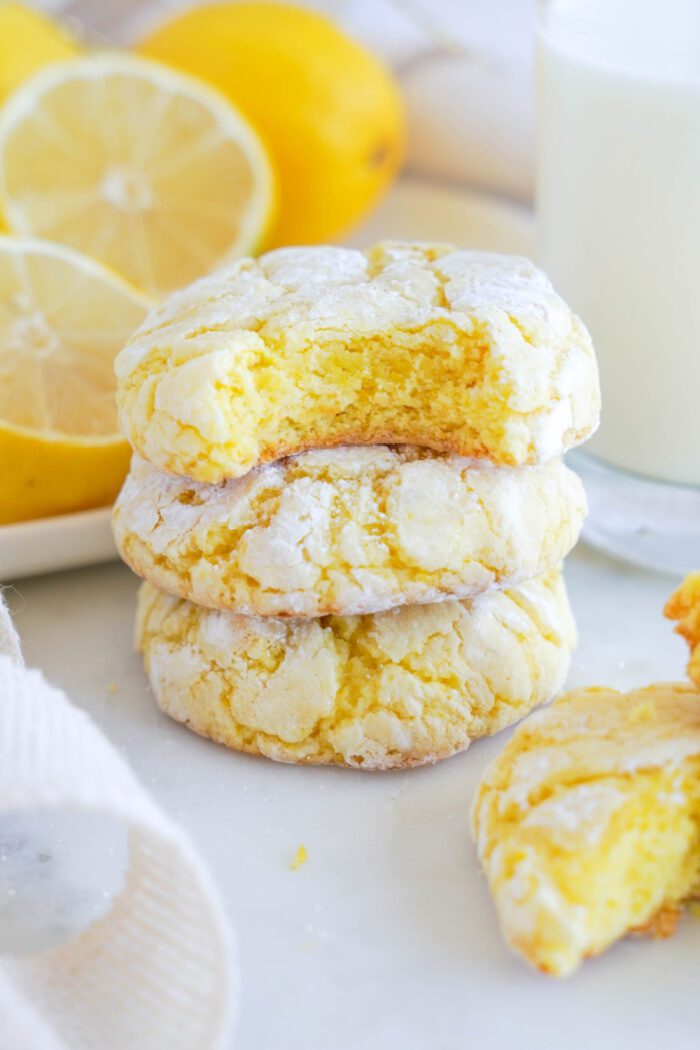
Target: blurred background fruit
(148, 170)
(329, 112)
(233, 128)
(63, 318)
(28, 42)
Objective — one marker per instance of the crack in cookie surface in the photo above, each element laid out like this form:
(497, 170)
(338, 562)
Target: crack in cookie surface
(463, 352)
(352, 530)
(588, 822)
(381, 691)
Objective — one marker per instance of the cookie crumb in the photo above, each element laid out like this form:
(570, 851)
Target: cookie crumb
(300, 858)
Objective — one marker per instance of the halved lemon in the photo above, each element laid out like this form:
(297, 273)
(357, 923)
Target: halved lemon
(63, 318)
(147, 170)
(329, 112)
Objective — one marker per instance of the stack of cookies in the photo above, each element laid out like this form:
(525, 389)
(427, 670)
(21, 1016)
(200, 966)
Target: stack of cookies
(348, 499)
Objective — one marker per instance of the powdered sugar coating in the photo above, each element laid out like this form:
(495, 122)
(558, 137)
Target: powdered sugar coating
(465, 352)
(398, 688)
(348, 530)
(572, 783)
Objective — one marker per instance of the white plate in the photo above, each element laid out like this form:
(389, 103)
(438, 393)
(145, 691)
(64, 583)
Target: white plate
(64, 542)
(412, 211)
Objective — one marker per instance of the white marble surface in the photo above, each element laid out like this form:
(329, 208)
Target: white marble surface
(386, 936)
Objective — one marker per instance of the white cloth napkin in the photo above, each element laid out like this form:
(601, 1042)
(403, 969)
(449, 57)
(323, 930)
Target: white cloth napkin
(156, 971)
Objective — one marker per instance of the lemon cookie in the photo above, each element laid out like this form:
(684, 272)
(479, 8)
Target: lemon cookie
(684, 606)
(392, 689)
(464, 352)
(348, 530)
(588, 822)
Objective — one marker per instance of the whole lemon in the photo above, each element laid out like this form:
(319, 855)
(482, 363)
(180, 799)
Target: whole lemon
(329, 112)
(28, 41)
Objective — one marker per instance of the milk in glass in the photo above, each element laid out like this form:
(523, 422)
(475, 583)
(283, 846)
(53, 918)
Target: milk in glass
(619, 214)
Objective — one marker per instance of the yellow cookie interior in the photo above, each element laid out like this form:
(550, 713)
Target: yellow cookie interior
(318, 347)
(431, 387)
(588, 838)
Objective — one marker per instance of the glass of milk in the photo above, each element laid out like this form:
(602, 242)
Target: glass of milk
(618, 203)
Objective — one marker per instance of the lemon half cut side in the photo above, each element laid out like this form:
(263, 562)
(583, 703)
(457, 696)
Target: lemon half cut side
(63, 318)
(147, 170)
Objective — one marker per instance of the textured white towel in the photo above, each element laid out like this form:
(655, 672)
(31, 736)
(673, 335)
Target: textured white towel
(155, 972)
